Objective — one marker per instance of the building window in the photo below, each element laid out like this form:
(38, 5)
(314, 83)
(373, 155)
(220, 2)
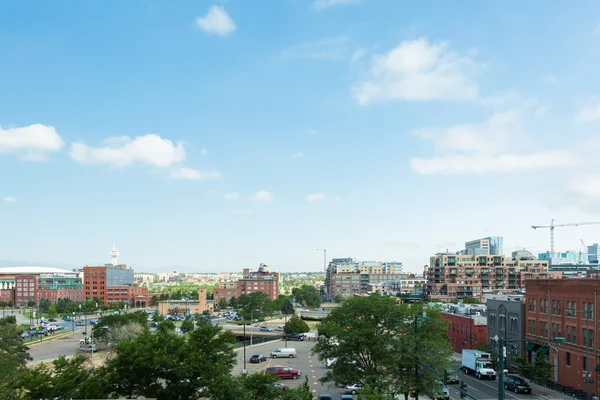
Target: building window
(568, 357)
(585, 363)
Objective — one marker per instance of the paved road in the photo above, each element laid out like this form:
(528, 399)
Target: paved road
(47, 351)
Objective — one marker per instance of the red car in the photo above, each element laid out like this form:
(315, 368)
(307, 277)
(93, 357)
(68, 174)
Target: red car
(281, 371)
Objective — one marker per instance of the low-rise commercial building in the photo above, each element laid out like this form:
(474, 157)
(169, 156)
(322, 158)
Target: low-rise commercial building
(562, 324)
(506, 319)
(187, 307)
(466, 331)
(347, 277)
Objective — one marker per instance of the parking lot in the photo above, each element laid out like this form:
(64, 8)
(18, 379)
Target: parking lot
(305, 362)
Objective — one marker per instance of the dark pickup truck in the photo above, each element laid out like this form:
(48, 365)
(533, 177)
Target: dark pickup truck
(294, 336)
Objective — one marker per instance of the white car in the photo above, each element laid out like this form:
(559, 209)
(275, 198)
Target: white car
(353, 389)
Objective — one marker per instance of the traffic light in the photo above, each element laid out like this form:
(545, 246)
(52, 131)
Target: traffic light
(462, 389)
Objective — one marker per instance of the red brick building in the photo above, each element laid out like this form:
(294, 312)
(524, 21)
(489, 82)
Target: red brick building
(113, 283)
(565, 308)
(466, 332)
(263, 280)
(54, 294)
(26, 287)
(7, 295)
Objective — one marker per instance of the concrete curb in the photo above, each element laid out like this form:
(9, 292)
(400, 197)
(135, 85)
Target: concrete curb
(49, 339)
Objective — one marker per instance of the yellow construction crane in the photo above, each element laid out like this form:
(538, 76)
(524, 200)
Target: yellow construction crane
(552, 226)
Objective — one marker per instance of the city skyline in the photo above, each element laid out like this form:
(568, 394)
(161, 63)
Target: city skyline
(217, 135)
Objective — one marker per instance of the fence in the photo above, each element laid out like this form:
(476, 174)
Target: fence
(258, 340)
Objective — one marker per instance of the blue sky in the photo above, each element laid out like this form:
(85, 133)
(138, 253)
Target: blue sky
(216, 135)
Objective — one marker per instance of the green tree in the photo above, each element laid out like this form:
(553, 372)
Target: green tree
(166, 326)
(156, 317)
(287, 307)
(374, 341)
(114, 328)
(255, 301)
(307, 295)
(222, 303)
(470, 300)
(13, 353)
(168, 366)
(187, 325)
(31, 303)
(295, 325)
(44, 305)
(338, 299)
(52, 310)
(233, 302)
(154, 301)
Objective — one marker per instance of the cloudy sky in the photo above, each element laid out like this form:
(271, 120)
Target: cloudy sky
(216, 135)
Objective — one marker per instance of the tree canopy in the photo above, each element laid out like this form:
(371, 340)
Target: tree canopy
(307, 295)
(13, 353)
(295, 325)
(374, 342)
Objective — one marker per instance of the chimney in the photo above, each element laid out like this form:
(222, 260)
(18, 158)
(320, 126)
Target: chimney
(246, 271)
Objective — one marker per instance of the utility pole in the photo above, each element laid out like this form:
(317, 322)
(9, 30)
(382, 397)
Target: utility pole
(416, 358)
(244, 371)
(500, 368)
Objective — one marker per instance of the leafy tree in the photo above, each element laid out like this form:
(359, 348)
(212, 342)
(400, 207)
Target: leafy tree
(13, 353)
(63, 379)
(168, 366)
(52, 310)
(113, 328)
(233, 302)
(338, 299)
(307, 295)
(31, 303)
(296, 325)
(375, 343)
(154, 301)
(156, 317)
(166, 326)
(187, 325)
(222, 303)
(257, 386)
(287, 307)
(44, 304)
(255, 301)
(470, 300)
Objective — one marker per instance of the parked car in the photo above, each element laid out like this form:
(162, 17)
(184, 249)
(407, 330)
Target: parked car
(346, 397)
(279, 329)
(289, 352)
(451, 377)
(266, 329)
(325, 397)
(439, 392)
(258, 358)
(93, 321)
(279, 385)
(51, 320)
(281, 371)
(67, 319)
(295, 336)
(353, 389)
(79, 323)
(516, 384)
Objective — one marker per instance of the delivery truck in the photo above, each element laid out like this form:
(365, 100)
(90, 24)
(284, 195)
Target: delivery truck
(478, 363)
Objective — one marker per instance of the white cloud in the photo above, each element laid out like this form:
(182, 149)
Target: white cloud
(419, 70)
(194, 174)
(313, 198)
(262, 196)
(591, 111)
(216, 22)
(204, 151)
(9, 199)
(499, 145)
(313, 131)
(325, 49)
(298, 155)
(231, 196)
(323, 4)
(480, 164)
(32, 142)
(584, 192)
(148, 149)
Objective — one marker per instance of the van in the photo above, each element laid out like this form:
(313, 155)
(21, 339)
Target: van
(284, 352)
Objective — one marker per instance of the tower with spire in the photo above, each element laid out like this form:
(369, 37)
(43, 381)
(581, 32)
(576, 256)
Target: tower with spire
(114, 254)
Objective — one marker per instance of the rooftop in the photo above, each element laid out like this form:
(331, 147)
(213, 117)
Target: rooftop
(33, 270)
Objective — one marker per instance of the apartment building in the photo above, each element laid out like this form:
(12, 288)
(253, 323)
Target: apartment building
(458, 276)
(261, 280)
(565, 309)
(26, 287)
(347, 277)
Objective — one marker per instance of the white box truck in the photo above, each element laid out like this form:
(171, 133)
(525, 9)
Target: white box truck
(478, 363)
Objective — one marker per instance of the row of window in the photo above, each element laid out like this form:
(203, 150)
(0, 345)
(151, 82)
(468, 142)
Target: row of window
(500, 323)
(570, 311)
(571, 332)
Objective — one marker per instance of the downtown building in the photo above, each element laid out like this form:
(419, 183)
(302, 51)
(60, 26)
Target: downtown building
(347, 277)
(261, 280)
(113, 283)
(562, 325)
(460, 275)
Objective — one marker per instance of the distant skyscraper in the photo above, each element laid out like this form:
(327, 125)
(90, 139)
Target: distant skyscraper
(593, 253)
(568, 257)
(493, 245)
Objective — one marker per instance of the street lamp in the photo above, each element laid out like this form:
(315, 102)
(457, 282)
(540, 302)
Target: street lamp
(73, 321)
(251, 322)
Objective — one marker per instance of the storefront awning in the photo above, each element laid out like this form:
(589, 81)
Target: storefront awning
(597, 367)
(531, 346)
(544, 350)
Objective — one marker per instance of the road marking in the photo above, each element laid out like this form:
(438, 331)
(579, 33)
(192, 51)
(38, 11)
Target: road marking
(314, 377)
(316, 383)
(314, 390)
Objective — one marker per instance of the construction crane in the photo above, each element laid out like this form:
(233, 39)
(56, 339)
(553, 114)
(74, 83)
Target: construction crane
(552, 226)
(325, 255)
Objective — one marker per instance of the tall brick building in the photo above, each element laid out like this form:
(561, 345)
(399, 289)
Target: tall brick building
(113, 283)
(262, 280)
(565, 308)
